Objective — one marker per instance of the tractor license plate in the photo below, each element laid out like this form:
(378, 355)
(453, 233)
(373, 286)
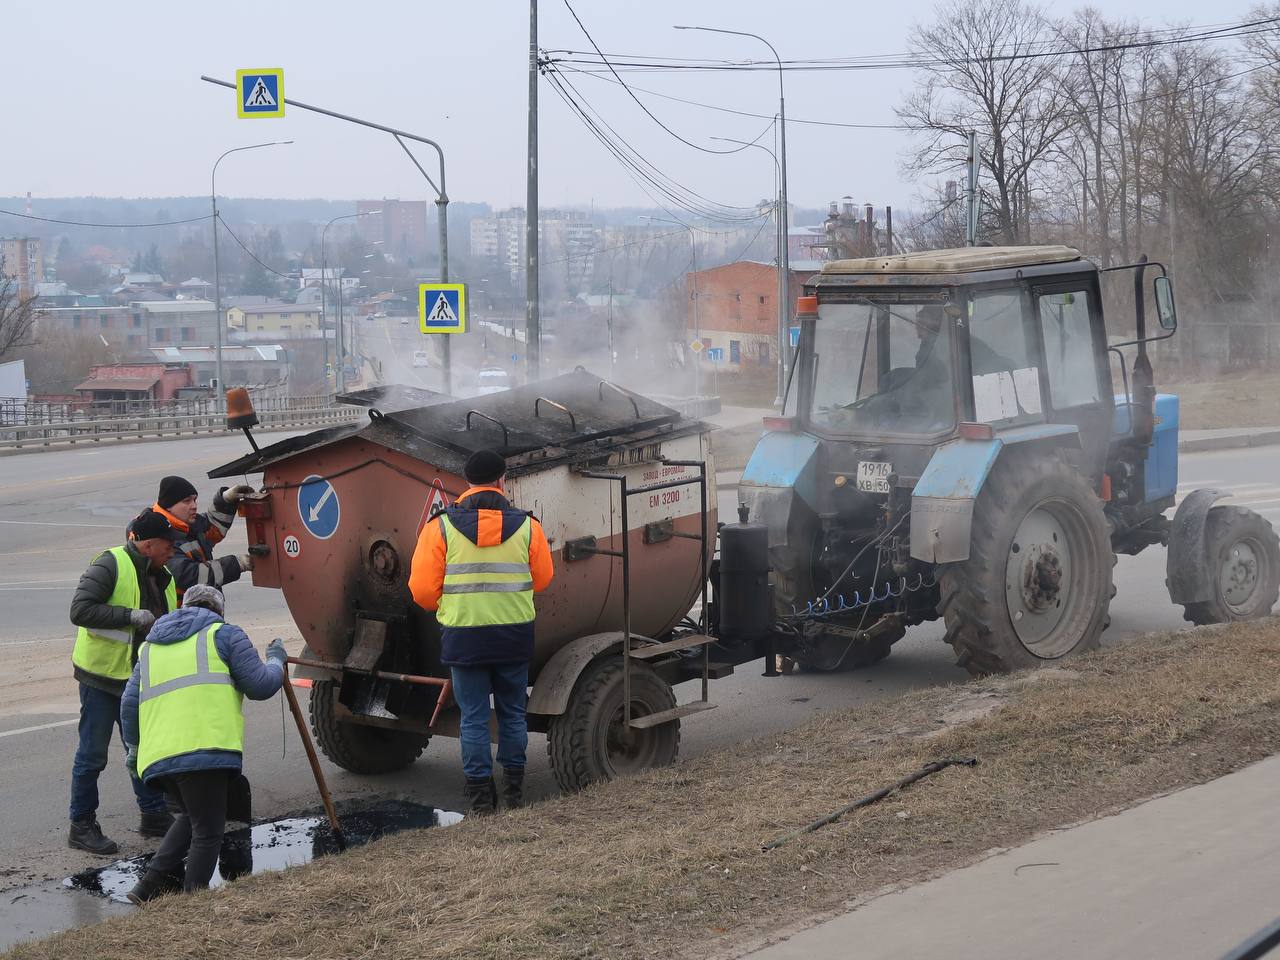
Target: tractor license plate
(873, 476)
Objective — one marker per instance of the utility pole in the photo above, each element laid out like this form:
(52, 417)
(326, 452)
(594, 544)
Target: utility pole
(971, 193)
(610, 324)
(533, 322)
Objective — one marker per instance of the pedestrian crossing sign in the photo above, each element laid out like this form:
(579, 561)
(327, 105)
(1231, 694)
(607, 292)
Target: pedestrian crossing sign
(442, 307)
(260, 93)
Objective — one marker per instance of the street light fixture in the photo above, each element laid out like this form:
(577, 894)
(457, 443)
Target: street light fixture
(697, 327)
(784, 272)
(217, 284)
(339, 380)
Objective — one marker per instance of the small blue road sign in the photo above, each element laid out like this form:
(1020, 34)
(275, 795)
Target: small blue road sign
(442, 307)
(715, 354)
(795, 336)
(260, 93)
(319, 508)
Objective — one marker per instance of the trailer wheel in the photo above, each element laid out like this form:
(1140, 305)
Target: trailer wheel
(586, 744)
(1037, 584)
(357, 747)
(1242, 554)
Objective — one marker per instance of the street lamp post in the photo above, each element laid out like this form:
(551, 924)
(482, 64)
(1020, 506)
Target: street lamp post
(784, 273)
(442, 195)
(324, 279)
(217, 279)
(780, 243)
(697, 327)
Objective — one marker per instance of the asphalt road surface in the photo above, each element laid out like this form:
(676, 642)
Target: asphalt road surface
(57, 509)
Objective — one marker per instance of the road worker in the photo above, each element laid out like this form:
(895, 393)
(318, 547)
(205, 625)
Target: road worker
(193, 561)
(184, 729)
(117, 600)
(478, 566)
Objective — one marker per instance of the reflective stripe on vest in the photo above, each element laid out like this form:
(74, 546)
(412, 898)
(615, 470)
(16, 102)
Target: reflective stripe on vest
(187, 700)
(105, 651)
(486, 586)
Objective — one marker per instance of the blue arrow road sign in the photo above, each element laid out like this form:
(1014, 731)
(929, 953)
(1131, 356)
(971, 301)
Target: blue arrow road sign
(318, 507)
(795, 336)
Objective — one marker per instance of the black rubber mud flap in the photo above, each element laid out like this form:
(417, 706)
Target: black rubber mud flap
(1187, 573)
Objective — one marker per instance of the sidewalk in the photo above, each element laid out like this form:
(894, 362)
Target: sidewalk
(1188, 875)
(1229, 438)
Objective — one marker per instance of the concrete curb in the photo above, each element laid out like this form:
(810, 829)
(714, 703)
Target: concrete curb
(1234, 441)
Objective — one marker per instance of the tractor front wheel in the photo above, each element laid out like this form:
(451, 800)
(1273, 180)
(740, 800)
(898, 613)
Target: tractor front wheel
(1037, 584)
(1242, 555)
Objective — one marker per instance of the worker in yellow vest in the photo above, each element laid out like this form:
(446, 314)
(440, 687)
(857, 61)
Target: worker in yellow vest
(117, 600)
(478, 566)
(184, 728)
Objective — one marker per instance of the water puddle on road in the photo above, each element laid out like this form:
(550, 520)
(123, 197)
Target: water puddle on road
(96, 894)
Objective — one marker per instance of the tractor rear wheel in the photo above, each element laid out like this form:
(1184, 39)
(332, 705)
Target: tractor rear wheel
(586, 743)
(1242, 555)
(1037, 584)
(355, 746)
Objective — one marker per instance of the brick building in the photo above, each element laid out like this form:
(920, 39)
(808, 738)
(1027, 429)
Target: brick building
(21, 260)
(277, 319)
(737, 309)
(400, 225)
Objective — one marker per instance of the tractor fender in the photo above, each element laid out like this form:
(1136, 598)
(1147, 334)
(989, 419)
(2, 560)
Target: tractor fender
(1187, 573)
(554, 682)
(943, 498)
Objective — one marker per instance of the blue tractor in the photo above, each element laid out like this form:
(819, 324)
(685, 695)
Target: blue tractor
(952, 447)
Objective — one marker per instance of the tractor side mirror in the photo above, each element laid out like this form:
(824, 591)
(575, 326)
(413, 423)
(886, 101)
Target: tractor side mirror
(1166, 312)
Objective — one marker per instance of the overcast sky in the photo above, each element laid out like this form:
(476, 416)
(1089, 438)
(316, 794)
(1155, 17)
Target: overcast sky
(105, 98)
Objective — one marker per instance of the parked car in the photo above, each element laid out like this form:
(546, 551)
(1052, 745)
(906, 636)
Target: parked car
(492, 380)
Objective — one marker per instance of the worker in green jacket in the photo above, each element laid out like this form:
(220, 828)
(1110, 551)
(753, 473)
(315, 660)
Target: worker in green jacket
(117, 600)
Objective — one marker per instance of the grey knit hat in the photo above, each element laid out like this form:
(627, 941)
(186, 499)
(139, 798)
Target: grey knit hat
(203, 595)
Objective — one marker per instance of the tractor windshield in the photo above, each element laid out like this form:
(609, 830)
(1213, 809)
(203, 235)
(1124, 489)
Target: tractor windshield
(882, 368)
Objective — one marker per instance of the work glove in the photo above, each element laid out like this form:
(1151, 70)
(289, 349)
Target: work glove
(142, 621)
(276, 651)
(237, 493)
(246, 562)
(131, 759)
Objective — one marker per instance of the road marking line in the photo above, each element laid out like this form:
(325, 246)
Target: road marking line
(42, 726)
(54, 523)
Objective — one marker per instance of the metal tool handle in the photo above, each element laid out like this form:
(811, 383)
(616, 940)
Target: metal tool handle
(316, 772)
(506, 442)
(573, 421)
(622, 393)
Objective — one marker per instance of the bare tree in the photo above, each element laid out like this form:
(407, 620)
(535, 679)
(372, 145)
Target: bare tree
(990, 66)
(17, 316)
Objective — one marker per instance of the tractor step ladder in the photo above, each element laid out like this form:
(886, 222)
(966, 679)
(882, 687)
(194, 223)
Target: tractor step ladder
(650, 651)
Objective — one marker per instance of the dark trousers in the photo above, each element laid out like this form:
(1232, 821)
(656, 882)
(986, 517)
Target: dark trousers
(99, 719)
(198, 802)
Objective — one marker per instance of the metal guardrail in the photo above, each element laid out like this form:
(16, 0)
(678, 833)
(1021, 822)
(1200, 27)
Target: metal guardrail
(68, 433)
(19, 410)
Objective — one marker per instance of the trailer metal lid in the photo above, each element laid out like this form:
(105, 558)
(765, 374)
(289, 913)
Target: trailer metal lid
(575, 411)
(564, 411)
(956, 260)
(393, 396)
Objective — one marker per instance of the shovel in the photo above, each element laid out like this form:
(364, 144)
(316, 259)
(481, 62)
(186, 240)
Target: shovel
(338, 836)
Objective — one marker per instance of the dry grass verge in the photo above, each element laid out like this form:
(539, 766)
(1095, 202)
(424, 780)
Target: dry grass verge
(670, 864)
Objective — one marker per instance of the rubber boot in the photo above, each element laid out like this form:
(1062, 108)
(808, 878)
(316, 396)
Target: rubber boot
(153, 884)
(87, 835)
(482, 797)
(513, 787)
(155, 823)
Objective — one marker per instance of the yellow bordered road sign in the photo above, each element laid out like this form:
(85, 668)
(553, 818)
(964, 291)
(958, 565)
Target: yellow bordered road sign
(442, 307)
(260, 93)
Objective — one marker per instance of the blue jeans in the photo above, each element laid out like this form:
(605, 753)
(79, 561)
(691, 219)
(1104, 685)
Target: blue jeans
(509, 685)
(99, 717)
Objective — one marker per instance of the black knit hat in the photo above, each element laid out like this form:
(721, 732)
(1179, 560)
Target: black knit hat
(173, 490)
(484, 466)
(149, 525)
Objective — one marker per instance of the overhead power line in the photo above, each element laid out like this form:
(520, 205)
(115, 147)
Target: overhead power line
(251, 254)
(908, 61)
(81, 223)
(640, 103)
